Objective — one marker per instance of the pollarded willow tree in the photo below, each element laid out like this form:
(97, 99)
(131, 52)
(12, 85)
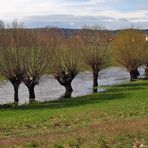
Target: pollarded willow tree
(94, 49)
(12, 55)
(128, 48)
(145, 58)
(36, 65)
(24, 57)
(65, 63)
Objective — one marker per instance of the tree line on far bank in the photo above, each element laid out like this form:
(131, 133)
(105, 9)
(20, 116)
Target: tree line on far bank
(28, 54)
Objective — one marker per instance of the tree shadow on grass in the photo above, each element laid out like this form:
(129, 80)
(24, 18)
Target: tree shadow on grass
(135, 85)
(73, 102)
(112, 93)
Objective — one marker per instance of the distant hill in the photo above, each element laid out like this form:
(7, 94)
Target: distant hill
(70, 32)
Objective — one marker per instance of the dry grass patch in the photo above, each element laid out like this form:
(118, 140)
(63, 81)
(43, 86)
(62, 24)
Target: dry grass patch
(108, 133)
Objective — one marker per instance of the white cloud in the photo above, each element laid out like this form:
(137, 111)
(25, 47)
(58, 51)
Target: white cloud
(24, 9)
(128, 15)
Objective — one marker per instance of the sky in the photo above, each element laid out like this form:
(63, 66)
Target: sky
(112, 14)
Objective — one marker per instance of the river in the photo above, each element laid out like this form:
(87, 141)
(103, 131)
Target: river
(50, 89)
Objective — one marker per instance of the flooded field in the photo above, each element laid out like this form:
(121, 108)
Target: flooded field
(50, 89)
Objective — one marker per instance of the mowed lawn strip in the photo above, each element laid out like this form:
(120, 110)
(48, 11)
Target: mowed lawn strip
(121, 112)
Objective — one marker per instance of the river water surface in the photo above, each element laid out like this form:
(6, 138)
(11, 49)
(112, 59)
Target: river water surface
(50, 89)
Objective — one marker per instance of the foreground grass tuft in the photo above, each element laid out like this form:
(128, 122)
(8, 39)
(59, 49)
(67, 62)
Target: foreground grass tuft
(115, 118)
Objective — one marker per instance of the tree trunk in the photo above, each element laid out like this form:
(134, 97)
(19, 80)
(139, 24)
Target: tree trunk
(31, 93)
(66, 80)
(134, 74)
(68, 90)
(95, 81)
(16, 87)
(131, 76)
(146, 71)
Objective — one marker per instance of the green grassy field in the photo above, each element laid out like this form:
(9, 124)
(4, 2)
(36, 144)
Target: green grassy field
(117, 118)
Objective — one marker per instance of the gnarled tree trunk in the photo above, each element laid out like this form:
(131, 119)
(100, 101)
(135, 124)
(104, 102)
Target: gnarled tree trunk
(15, 82)
(134, 74)
(146, 71)
(66, 80)
(95, 81)
(68, 90)
(30, 83)
(31, 93)
(16, 86)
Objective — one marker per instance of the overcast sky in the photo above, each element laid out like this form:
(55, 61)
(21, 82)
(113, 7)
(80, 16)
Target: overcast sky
(113, 14)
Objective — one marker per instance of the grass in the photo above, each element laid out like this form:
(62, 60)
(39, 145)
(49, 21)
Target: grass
(116, 118)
